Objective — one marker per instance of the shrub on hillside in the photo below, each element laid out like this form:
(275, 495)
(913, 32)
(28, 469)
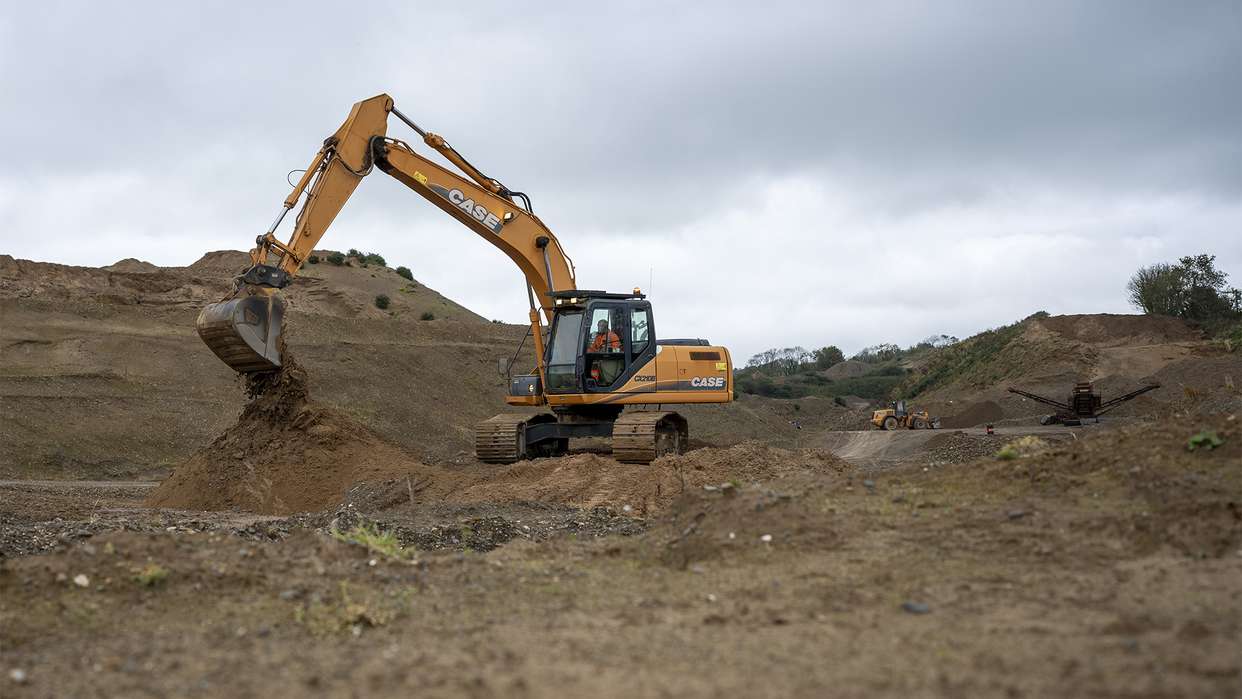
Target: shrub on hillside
(405, 272)
(381, 302)
(427, 315)
(336, 258)
(313, 259)
(1192, 289)
(374, 258)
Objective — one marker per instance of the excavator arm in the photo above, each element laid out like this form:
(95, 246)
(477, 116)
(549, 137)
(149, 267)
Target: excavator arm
(244, 330)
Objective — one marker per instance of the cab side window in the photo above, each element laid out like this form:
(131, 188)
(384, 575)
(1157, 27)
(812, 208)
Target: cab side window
(640, 333)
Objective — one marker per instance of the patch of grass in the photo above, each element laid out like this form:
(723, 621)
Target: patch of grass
(405, 272)
(354, 609)
(1207, 439)
(1023, 446)
(151, 575)
(370, 536)
(382, 301)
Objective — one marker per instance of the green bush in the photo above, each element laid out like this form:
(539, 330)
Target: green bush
(405, 272)
(313, 259)
(427, 315)
(353, 252)
(336, 258)
(372, 258)
(381, 301)
(839, 401)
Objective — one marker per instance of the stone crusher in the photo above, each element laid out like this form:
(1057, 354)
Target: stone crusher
(1083, 404)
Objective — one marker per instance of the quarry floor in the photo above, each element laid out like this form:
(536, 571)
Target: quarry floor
(1105, 565)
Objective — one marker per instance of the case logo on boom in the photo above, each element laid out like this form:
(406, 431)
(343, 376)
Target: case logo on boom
(707, 382)
(476, 211)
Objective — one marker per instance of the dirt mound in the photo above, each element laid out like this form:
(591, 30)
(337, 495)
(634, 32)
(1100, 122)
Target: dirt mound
(974, 414)
(1111, 330)
(1161, 492)
(131, 264)
(591, 480)
(222, 261)
(285, 454)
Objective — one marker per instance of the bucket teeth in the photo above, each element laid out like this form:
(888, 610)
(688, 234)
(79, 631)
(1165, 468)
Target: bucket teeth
(244, 332)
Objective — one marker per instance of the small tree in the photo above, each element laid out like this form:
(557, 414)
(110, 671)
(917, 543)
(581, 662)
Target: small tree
(1158, 289)
(381, 302)
(826, 357)
(336, 258)
(374, 258)
(313, 259)
(1193, 289)
(405, 272)
(354, 252)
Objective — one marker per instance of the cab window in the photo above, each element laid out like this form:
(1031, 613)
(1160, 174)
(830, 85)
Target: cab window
(640, 330)
(603, 338)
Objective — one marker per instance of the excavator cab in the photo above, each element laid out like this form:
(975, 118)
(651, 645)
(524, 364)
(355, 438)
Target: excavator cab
(598, 341)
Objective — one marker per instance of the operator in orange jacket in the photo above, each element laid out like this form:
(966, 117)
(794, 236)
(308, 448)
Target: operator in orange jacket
(605, 338)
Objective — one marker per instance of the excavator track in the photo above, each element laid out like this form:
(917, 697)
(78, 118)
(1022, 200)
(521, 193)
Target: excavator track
(501, 439)
(644, 436)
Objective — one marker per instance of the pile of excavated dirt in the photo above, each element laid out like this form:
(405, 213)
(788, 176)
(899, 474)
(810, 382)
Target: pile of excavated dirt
(591, 480)
(285, 454)
(1106, 329)
(974, 414)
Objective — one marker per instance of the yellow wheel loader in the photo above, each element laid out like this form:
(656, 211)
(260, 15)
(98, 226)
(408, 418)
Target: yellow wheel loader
(599, 368)
(896, 417)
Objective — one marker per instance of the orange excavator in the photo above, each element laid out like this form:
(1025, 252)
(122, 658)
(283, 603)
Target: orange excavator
(599, 368)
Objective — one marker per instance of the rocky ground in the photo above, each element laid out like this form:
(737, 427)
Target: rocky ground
(1102, 566)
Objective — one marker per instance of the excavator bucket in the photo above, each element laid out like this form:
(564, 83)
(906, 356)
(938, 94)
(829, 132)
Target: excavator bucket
(244, 332)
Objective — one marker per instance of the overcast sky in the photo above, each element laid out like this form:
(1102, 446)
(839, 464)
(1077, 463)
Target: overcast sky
(786, 173)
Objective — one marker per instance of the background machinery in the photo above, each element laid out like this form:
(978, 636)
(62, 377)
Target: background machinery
(1083, 403)
(896, 417)
(600, 369)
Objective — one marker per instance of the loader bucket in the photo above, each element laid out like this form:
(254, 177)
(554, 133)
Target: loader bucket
(244, 332)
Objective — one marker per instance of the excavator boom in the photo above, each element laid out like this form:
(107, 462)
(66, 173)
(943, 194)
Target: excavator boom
(244, 330)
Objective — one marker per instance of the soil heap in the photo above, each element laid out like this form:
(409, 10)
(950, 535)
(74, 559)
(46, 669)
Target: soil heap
(285, 454)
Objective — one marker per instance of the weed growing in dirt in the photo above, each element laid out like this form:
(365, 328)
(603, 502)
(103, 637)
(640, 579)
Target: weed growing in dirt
(370, 536)
(1023, 446)
(382, 301)
(1207, 439)
(357, 608)
(405, 272)
(427, 315)
(151, 575)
